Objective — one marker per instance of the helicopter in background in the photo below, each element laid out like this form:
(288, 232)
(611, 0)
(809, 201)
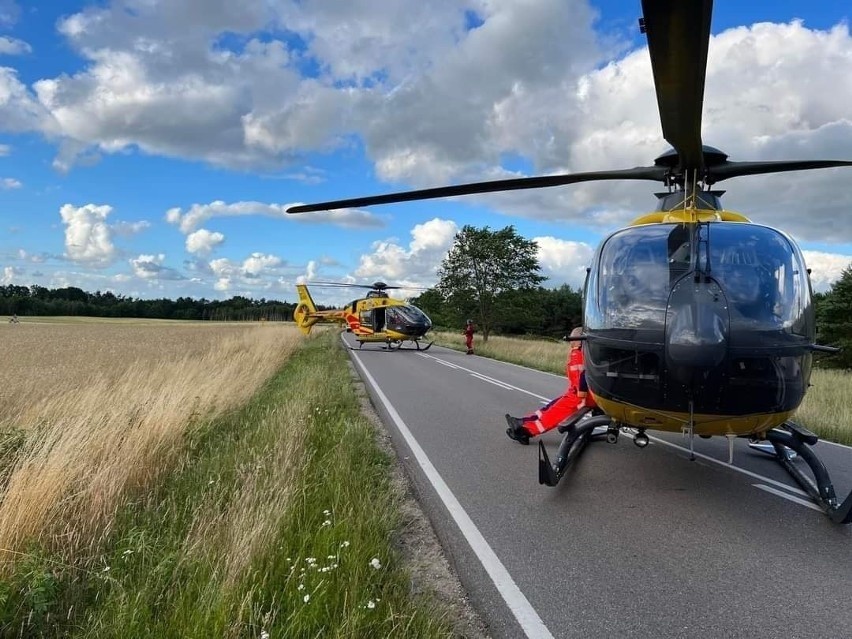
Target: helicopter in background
(696, 320)
(374, 318)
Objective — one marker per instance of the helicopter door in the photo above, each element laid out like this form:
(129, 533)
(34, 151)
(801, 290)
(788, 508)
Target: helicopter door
(379, 319)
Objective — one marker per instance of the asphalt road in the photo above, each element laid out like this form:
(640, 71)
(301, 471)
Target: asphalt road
(633, 542)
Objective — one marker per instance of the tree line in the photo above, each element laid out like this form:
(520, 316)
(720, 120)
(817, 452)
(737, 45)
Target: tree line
(73, 301)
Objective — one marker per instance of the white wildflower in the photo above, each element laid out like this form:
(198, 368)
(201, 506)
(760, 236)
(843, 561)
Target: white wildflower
(375, 563)
(371, 604)
(306, 598)
(300, 587)
(344, 544)
(327, 522)
(264, 634)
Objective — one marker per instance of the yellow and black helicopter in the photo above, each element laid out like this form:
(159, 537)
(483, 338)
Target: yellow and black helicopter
(375, 318)
(695, 319)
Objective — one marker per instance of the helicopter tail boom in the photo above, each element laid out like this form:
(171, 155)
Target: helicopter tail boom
(306, 314)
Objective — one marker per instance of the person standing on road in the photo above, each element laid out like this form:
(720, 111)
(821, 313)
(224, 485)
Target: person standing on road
(576, 397)
(469, 330)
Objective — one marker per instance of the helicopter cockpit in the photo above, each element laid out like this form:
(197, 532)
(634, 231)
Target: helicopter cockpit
(756, 270)
(677, 311)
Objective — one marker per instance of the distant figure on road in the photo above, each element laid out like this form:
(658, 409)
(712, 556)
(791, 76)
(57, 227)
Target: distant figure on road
(575, 398)
(469, 330)
(14, 319)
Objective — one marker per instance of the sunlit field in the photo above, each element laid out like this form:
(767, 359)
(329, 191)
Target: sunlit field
(195, 480)
(93, 411)
(827, 409)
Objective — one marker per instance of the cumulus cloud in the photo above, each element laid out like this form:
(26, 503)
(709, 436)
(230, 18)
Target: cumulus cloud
(19, 109)
(10, 183)
(13, 46)
(189, 220)
(257, 271)
(151, 267)
(415, 265)
(563, 261)
(826, 268)
(202, 242)
(88, 237)
(5, 150)
(10, 274)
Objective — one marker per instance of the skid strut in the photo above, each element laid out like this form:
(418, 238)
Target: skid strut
(572, 444)
(821, 490)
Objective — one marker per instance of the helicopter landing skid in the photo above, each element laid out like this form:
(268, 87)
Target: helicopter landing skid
(572, 445)
(417, 346)
(820, 489)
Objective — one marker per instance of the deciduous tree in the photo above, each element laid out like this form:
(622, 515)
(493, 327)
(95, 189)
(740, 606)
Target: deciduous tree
(482, 264)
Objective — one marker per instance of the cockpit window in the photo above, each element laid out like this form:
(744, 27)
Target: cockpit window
(762, 276)
(410, 314)
(759, 271)
(637, 267)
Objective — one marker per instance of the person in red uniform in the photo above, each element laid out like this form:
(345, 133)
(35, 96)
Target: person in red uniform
(575, 397)
(468, 336)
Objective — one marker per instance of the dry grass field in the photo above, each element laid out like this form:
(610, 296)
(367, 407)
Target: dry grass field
(93, 411)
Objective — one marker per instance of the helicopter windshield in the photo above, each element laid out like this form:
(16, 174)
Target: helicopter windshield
(633, 279)
(758, 269)
(409, 315)
(762, 274)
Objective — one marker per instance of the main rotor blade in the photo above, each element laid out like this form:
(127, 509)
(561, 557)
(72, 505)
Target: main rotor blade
(735, 169)
(655, 173)
(678, 39)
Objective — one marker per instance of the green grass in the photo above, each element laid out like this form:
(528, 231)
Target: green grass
(826, 409)
(282, 518)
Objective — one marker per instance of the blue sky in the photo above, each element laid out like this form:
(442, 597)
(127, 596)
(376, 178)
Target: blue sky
(150, 147)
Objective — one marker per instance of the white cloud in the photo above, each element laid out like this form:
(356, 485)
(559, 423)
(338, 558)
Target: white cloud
(202, 242)
(151, 267)
(5, 150)
(88, 238)
(19, 110)
(198, 214)
(415, 266)
(563, 261)
(257, 271)
(10, 274)
(10, 183)
(13, 46)
(826, 268)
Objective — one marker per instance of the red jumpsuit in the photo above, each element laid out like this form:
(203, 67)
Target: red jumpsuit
(559, 409)
(468, 338)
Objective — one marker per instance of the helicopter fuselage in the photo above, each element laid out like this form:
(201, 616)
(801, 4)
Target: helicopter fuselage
(374, 318)
(699, 319)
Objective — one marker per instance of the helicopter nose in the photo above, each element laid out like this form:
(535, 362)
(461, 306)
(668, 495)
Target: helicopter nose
(697, 325)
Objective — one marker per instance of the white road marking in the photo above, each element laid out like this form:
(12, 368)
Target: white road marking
(506, 385)
(491, 381)
(795, 500)
(520, 606)
(725, 464)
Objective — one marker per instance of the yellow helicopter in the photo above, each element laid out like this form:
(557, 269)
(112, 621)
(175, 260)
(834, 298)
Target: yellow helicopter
(695, 319)
(375, 318)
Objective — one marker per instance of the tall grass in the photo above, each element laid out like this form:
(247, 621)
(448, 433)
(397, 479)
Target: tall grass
(276, 518)
(826, 410)
(87, 448)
